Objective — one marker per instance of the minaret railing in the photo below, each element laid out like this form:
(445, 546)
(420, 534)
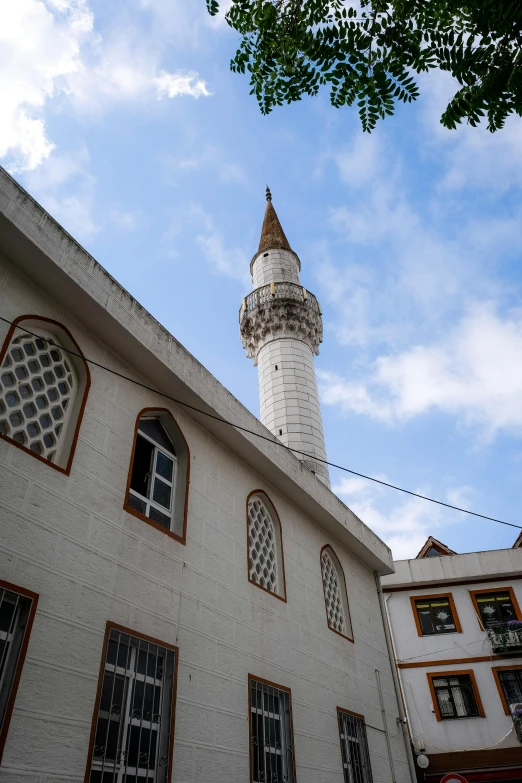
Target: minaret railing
(278, 291)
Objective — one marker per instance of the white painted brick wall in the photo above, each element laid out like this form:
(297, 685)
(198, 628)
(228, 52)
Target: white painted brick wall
(68, 538)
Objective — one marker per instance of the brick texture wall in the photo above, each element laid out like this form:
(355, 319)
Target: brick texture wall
(68, 539)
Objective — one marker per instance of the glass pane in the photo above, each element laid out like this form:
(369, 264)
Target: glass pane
(6, 614)
(136, 503)
(141, 466)
(157, 516)
(426, 621)
(154, 429)
(164, 466)
(162, 493)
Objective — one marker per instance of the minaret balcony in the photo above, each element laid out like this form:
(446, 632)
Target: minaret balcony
(276, 291)
(280, 310)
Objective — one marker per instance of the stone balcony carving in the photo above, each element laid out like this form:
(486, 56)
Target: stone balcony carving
(282, 310)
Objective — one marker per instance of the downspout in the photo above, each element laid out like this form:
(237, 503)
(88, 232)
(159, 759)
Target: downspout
(398, 695)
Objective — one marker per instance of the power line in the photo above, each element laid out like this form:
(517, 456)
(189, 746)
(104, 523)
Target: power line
(272, 440)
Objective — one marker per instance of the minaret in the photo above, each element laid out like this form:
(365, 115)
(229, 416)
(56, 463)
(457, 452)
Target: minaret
(281, 329)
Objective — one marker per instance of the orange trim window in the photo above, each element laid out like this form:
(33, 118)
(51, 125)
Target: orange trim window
(159, 472)
(495, 606)
(435, 614)
(132, 733)
(508, 680)
(265, 555)
(44, 383)
(17, 612)
(455, 695)
(271, 731)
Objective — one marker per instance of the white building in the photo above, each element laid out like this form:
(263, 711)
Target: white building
(457, 632)
(158, 563)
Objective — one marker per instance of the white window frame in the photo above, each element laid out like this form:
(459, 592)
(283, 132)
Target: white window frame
(153, 475)
(127, 719)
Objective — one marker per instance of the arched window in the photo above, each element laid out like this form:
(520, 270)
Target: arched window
(157, 488)
(335, 595)
(265, 545)
(44, 381)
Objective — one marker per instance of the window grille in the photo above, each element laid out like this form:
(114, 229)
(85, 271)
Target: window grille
(15, 611)
(435, 616)
(272, 757)
(262, 546)
(133, 736)
(455, 697)
(153, 476)
(333, 594)
(38, 386)
(354, 748)
(511, 682)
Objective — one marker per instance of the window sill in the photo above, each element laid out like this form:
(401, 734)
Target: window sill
(132, 511)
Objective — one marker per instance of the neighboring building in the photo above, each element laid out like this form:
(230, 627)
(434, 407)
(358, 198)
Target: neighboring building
(456, 626)
(156, 563)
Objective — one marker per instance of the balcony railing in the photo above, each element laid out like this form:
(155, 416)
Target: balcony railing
(277, 291)
(506, 637)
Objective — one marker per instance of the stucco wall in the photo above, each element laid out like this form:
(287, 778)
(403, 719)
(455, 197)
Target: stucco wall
(452, 648)
(68, 539)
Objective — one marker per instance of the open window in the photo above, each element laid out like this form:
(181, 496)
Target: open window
(44, 382)
(335, 595)
(157, 488)
(265, 545)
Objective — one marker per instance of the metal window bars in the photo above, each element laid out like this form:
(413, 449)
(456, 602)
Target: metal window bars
(354, 748)
(272, 757)
(133, 728)
(157, 502)
(14, 613)
(455, 696)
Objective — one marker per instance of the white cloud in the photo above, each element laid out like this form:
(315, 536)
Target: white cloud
(474, 373)
(406, 525)
(228, 261)
(49, 50)
(210, 157)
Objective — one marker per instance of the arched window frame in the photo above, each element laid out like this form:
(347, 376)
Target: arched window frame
(344, 593)
(182, 479)
(279, 542)
(68, 344)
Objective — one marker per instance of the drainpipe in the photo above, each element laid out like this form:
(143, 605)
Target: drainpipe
(398, 695)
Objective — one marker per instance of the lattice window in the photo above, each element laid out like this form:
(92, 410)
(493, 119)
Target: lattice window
(334, 593)
(272, 758)
(38, 386)
(263, 540)
(16, 613)
(133, 733)
(354, 748)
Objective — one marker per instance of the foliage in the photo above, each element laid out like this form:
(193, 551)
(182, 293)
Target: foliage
(369, 53)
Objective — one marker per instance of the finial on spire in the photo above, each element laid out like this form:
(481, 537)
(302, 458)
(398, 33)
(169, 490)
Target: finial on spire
(268, 194)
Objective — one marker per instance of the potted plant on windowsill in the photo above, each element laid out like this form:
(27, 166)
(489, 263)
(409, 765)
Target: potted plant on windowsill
(516, 714)
(506, 636)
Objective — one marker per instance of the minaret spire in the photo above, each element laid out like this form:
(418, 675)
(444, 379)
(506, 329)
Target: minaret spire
(281, 329)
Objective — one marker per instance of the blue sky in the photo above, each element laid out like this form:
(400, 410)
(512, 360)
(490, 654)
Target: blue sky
(125, 122)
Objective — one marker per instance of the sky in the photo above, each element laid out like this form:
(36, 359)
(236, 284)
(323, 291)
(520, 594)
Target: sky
(124, 121)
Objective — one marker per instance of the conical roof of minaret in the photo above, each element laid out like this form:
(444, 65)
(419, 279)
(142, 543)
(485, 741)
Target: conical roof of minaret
(272, 234)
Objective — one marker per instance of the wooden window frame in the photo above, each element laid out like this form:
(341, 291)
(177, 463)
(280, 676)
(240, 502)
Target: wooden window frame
(79, 355)
(281, 688)
(500, 589)
(435, 596)
(455, 673)
(110, 626)
(361, 717)
(271, 508)
(33, 597)
(349, 618)
(134, 512)
(495, 671)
